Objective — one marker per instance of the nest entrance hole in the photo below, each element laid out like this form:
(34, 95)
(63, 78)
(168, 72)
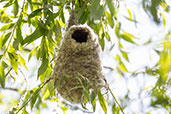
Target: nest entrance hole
(80, 35)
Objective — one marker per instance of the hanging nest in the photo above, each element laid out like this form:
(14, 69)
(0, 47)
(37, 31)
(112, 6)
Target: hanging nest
(78, 64)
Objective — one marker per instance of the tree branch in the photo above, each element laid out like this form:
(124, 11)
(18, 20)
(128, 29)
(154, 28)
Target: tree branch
(12, 89)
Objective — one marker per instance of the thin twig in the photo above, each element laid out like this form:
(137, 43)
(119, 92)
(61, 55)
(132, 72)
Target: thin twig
(108, 67)
(11, 36)
(120, 107)
(8, 72)
(108, 88)
(12, 89)
(40, 87)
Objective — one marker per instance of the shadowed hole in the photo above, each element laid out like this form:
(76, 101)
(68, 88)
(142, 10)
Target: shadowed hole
(80, 35)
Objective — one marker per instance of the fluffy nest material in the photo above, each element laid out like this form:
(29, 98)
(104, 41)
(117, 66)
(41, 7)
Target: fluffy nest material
(78, 64)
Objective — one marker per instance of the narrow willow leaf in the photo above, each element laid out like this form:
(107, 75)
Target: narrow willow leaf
(117, 29)
(4, 18)
(2, 74)
(133, 20)
(4, 39)
(62, 16)
(31, 53)
(130, 15)
(107, 36)
(122, 67)
(128, 37)
(19, 35)
(13, 58)
(25, 7)
(164, 20)
(102, 102)
(111, 7)
(102, 42)
(96, 10)
(18, 30)
(21, 61)
(13, 62)
(110, 19)
(43, 67)
(86, 96)
(34, 13)
(7, 27)
(64, 109)
(125, 55)
(83, 17)
(121, 64)
(62, 24)
(15, 8)
(15, 44)
(93, 100)
(46, 95)
(1, 56)
(9, 3)
(33, 99)
(34, 36)
(114, 108)
(26, 99)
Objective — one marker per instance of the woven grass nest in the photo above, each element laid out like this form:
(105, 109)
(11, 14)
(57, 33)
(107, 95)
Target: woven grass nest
(78, 64)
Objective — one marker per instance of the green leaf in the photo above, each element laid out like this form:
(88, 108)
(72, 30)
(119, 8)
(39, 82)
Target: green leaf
(102, 102)
(19, 35)
(56, 85)
(31, 53)
(25, 8)
(164, 19)
(121, 64)
(18, 30)
(43, 67)
(130, 15)
(4, 39)
(111, 7)
(86, 96)
(13, 62)
(1, 56)
(34, 36)
(102, 42)
(46, 95)
(7, 27)
(128, 37)
(64, 109)
(110, 20)
(34, 13)
(13, 58)
(8, 3)
(15, 44)
(4, 18)
(83, 17)
(2, 74)
(21, 61)
(117, 30)
(93, 100)
(15, 7)
(107, 36)
(125, 55)
(96, 10)
(114, 108)
(62, 16)
(26, 99)
(33, 99)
